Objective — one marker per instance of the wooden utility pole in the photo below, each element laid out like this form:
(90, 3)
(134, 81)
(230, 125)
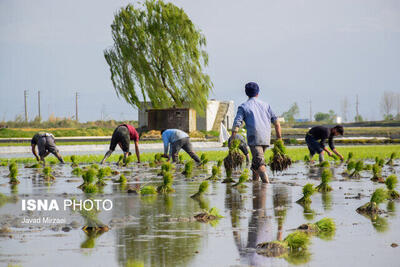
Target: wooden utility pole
(76, 106)
(26, 110)
(40, 116)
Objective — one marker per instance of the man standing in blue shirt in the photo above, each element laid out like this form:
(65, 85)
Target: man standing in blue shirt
(178, 140)
(258, 116)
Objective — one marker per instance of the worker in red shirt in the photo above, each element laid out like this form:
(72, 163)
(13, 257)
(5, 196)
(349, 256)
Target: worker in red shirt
(122, 136)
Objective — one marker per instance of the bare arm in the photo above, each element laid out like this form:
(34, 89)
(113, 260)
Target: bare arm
(137, 151)
(35, 153)
(278, 132)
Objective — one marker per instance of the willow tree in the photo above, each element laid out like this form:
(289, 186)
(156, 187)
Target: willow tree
(158, 53)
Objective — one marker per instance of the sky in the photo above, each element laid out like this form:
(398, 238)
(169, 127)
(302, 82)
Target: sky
(296, 50)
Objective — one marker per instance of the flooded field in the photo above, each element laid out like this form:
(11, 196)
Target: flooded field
(159, 230)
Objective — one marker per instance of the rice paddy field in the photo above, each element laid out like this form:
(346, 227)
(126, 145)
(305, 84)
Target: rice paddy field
(161, 217)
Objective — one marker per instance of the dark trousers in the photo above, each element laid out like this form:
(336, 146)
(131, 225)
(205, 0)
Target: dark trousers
(313, 145)
(184, 144)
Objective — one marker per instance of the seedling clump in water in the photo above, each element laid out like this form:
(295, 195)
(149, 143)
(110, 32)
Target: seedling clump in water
(214, 173)
(47, 173)
(391, 183)
(324, 164)
(279, 161)
(203, 159)
(74, 161)
(148, 190)
(296, 241)
(323, 225)
(349, 157)
(358, 167)
(188, 169)
(308, 190)
(13, 168)
(372, 207)
(122, 180)
(208, 216)
(326, 176)
(377, 173)
(242, 179)
(166, 187)
(392, 157)
(202, 189)
(77, 171)
(166, 167)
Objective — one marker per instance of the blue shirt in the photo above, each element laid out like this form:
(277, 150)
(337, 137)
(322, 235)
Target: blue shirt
(170, 136)
(258, 116)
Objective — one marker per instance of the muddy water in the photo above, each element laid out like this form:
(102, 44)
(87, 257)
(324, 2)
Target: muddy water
(160, 230)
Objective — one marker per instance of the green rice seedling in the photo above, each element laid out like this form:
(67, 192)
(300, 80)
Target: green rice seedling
(4, 163)
(188, 169)
(120, 161)
(36, 165)
(324, 164)
(228, 178)
(203, 159)
(152, 164)
(47, 173)
(372, 207)
(391, 159)
(308, 191)
(166, 167)
(202, 189)
(128, 160)
(74, 161)
(377, 173)
(380, 224)
(323, 225)
(350, 166)
(180, 159)
(219, 165)
(235, 158)
(148, 190)
(379, 161)
(95, 166)
(90, 189)
(13, 168)
(391, 183)
(158, 158)
(308, 212)
(349, 157)
(214, 173)
(122, 179)
(324, 186)
(244, 177)
(166, 187)
(368, 167)
(358, 167)
(101, 175)
(297, 240)
(89, 177)
(307, 159)
(279, 161)
(208, 216)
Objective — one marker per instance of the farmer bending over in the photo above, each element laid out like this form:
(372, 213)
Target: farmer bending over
(178, 140)
(322, 133)
(122, 136)
(258, 116)
(242, 146)
(46, 145)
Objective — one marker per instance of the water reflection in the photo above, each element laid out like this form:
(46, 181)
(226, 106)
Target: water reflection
(326, 200)
(280, 201)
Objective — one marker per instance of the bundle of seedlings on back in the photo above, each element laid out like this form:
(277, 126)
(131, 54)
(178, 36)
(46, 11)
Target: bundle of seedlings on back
(391, 159)
(349, 157)
(214, 173)
(391, 183)
(74, 161)
(308, 190)
(235, 158)
(372, 207)
(202, 189)
(188, 169)
(324, 186)
(148, 190)
(13, 168)
(377, 173)
(166, 167)
(243, 178)
(122, 179)
(358, 167)
(47, 173)
(294, 242)
(208, 215)
(203, 159)
(324, 164)
(166, 187)
(279, 160)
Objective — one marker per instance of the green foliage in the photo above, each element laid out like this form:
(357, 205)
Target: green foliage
(243, 178)
(215, 212)
(297, 240)
(324, 164)
(122, 179)
(350, 166)
(77, 171)
(325, 117)
(379, 161)
(391, 158)
(203, 159)
(358, 167)
(379, 195)
(307, 159)
(89, 176)
(326, 225)
(90, 189)
(47, 171)
(391, 182)
(291, 113)
(74, 161)
(308, 191)
(214, 173)
(203, 187)
(326, 176)
(350, 156)
(166, 187)
(148, 190)
(188, 169)
(158, 53)
(158, 158)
